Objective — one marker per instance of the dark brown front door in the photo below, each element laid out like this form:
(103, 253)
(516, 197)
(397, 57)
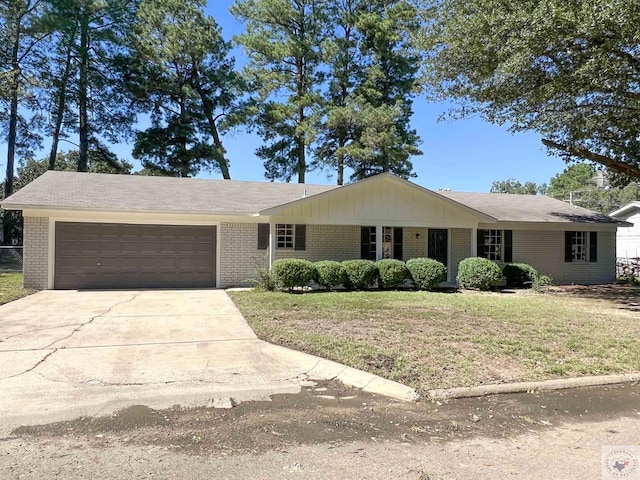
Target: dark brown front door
(438, 245)
(113, 255)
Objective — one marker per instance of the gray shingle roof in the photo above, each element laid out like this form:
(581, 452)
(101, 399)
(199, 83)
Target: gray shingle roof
(526, 208)
(93, 191)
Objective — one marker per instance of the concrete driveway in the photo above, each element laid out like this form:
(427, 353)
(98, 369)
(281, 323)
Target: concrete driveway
(65, 354)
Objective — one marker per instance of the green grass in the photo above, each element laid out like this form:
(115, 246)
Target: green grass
(11, 287)
(434, 340)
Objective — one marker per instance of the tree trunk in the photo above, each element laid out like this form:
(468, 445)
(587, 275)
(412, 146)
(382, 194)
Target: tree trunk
(217, 142)
(83, 161)
(62, 105)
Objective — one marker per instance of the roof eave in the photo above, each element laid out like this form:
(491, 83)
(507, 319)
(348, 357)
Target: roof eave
(127, 211)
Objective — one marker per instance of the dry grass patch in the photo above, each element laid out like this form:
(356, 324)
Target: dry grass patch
(434, 340)
(11, 287)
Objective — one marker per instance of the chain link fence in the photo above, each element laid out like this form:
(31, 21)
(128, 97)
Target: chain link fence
(10, 259)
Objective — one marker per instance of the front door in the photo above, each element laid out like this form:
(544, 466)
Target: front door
(438, 245)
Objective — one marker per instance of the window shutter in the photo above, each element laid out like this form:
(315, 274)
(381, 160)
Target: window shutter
(301, 237)
(365, 235)
(263, 236)
(480, 243)
(593, 246)
(397, 243)
(568, 253)
(508, 245)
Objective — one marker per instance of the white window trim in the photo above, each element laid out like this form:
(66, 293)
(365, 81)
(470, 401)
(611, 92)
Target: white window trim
(285, 226)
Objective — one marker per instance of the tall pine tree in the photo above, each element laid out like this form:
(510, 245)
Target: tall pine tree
(283, 40)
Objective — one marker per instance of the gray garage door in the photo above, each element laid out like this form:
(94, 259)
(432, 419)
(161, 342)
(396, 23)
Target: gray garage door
(106, 255)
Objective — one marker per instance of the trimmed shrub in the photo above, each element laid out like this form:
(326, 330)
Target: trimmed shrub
(392, 273)
(478, 273)
(293, 272)
(360, 273)
(520, 275)
(544, 281)
(330, 273)
(426, 272)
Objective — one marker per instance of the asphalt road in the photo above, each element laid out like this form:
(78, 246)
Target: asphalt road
(330, 431)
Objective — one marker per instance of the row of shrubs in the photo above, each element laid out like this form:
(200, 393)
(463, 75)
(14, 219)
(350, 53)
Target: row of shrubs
(424, 273)
(482, 274)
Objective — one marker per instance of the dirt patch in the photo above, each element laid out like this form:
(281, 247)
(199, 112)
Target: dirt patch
(333, 414)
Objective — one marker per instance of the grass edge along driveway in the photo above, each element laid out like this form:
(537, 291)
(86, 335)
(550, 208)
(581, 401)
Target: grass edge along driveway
(439, 340)
(11, 287)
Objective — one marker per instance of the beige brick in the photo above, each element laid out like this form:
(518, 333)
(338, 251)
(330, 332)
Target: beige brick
(36, 253)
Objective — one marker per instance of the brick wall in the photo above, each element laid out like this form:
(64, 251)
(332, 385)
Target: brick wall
(239, 254)
(413, 247)
(328, 242)
(36, 252)
(460, 249)
(545, 251)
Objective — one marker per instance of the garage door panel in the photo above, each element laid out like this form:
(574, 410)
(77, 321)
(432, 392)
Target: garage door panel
(91, 255)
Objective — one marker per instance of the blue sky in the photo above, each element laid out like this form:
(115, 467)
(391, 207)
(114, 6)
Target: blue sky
(463, 155)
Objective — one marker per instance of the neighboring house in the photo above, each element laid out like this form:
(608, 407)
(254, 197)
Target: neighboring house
(84, 230)
(628, 237)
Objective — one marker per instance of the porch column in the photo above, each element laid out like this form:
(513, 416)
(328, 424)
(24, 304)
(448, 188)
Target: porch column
(474, 242)
(378, 242)
(272, 243)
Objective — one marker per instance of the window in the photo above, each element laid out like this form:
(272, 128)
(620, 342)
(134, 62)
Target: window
(495, 245)
(580, 246)
(391, 243)
(289, 236)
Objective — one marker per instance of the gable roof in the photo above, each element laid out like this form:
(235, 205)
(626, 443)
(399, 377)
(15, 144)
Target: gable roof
(137, 193)
(95, 191)
(383, 177)
(506, 207)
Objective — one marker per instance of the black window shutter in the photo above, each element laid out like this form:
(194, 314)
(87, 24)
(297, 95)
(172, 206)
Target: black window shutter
(480, 243)
(568, 252)
(364, 243)
(508, 245)
(263, 236)
(593, 246)
(397, 243)
(301, 237)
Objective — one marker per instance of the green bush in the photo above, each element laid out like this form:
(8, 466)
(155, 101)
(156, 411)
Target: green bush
(478, 274)
(392, 273)
(542, 281)
(520, 275)
(360, 273)
(330, 273)
(293, 272)
(628, 279)
(427, 272)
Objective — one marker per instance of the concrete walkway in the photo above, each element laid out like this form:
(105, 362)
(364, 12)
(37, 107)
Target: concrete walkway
(64, 354)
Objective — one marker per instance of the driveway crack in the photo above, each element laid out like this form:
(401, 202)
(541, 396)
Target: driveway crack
(40, 362)
(91, 320)
(75, 330)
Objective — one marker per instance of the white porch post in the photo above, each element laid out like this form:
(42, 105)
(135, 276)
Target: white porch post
(378, 242)
(449, 243)
(474, 242)
(272, 243)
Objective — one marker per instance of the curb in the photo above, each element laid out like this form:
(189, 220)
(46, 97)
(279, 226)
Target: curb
(521, 387)
(368, 382)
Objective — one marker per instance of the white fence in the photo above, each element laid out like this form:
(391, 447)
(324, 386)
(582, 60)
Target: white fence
(10, 259)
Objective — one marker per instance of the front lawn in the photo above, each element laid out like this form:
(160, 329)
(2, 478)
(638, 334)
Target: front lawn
(438, 340)
(11, 287)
